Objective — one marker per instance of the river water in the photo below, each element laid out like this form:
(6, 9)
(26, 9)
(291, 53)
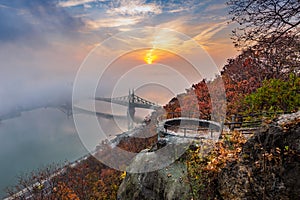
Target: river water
(46, 136)
(33, 140)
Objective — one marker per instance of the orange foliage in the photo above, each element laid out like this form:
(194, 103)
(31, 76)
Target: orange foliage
(241, 76)
(64, 192)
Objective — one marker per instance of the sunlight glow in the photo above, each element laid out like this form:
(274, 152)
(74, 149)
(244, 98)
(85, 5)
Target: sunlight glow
(149, 58)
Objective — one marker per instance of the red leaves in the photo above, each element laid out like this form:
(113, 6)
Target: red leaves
(241, 76)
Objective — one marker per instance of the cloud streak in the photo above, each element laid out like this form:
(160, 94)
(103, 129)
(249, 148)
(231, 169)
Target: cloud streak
(136, 9)
(112, 22)
(215, 7)
(209, 30)
(71, 3)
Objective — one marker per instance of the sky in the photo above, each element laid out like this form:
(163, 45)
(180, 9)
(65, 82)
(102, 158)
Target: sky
(43, 43)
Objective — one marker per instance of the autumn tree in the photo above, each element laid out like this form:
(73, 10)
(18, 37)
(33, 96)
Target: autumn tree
(270, 29)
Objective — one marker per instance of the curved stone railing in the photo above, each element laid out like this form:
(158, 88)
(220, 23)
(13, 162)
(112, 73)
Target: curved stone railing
(189, 128)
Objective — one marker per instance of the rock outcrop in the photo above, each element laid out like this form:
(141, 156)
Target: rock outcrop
(168, 183)
(268, 167)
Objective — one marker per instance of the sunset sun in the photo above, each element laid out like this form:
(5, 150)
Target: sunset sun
(150, 57)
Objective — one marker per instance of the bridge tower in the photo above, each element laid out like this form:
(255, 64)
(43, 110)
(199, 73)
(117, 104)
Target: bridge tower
(130, 109)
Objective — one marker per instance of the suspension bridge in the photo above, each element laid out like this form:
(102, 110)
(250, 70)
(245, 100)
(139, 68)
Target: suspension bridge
(131, 101)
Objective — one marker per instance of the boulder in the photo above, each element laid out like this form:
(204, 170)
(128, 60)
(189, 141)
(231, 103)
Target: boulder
(169, 183)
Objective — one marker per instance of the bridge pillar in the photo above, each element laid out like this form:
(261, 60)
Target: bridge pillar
(131, 109)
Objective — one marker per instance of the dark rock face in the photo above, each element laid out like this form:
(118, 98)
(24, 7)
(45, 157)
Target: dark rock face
(269, 165)
(169, 183)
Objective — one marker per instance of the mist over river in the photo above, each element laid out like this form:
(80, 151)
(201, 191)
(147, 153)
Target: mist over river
(35, 139)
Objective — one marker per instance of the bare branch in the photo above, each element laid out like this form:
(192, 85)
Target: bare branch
(260, 20)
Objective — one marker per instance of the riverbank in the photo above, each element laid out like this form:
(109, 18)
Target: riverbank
(81, 170)
(33, 141)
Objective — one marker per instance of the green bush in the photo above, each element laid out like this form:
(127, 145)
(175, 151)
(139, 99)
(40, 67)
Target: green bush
(275, 95)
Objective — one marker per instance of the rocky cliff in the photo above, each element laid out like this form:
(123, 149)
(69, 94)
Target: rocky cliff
(266, 166)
